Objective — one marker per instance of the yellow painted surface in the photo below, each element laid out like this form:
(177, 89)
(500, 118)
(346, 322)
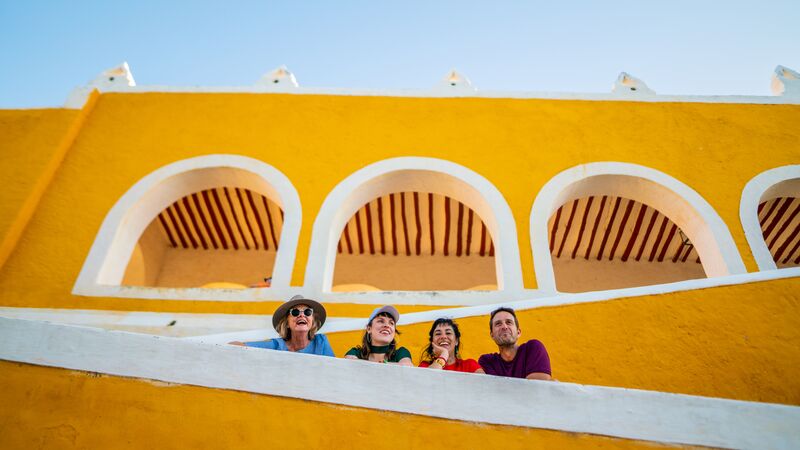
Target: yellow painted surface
(56, 408)
(317, 141)
(32, 144)
(740, 342)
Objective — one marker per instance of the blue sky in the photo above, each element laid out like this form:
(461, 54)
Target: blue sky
(676, 47)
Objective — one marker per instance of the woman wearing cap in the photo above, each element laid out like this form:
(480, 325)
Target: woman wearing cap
(444, 344)
(297, 323)
(379, 343)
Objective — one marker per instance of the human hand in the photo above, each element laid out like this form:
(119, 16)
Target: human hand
(440, 352)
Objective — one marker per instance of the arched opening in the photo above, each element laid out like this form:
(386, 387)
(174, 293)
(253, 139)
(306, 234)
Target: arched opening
(211, 222)
(780, 227)
(417, 189)
(770, 215)
(642, 227)
(415, 241)
(225, 237)
(607, 242)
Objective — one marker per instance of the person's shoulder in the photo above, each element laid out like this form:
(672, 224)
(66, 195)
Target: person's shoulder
(403, 352)
(534, 346)
(320, 338)
(353, 352)
(270, 344)
(470, 364)
(424, 364)
(488, 357)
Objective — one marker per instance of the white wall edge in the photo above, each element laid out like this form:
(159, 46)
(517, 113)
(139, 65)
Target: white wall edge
(114, 243)
(371, 181)
(533, 303)
(748, 210)
(79, 95)
(625, 413)
(548, 195)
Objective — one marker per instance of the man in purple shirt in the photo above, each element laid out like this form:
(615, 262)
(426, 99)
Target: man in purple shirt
(529, 360)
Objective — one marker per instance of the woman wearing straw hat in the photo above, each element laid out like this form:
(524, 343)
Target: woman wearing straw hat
(297, 323)
(379, 343)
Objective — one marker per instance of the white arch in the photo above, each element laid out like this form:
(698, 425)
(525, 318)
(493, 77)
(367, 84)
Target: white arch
(773, 183)
(105, 266)
(420, 174)
(682, 204)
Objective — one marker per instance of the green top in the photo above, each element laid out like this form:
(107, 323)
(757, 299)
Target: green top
(399, 354)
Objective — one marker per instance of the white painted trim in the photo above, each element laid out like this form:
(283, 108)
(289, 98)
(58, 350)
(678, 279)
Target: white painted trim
(624, 413)
(79, 96)
(412, 173)
(108, 258)
(535, 303)
(682, 204)
(761, 188)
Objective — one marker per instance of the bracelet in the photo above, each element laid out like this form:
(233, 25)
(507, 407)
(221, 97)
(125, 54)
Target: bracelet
(441, 361)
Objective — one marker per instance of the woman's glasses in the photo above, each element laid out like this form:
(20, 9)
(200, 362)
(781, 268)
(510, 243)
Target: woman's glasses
(295, 312)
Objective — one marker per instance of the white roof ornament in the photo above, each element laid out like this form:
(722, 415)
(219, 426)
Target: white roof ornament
(280, 78)
(627, 84)
(113, 79)
(454, 81)
(785, 82)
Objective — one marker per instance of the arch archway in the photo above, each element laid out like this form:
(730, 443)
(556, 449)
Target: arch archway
(765, 226)
(141, 205)
(413, 174)
(682, 205)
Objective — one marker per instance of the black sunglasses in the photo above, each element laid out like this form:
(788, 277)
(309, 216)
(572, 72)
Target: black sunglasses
(296, 312)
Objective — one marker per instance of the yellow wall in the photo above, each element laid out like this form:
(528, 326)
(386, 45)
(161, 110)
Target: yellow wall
(319, 140)
(56, 408)
(740, 342)
(32, 143)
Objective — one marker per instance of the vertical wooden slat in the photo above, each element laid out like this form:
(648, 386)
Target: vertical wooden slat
(260, 223)
(660, 236)
(595, 227)
(469, 231)
(582, 229)
(568, 227)
(645, 238)
(193, 219)
(405, 222)
(167, 230)
(635, 233)
(270, 222)
(446, 248)
(608, 229)
(621, 229)
(370, 240)
(246, 218)
(235, 218)
(380, 226)
(394, 224)
(554, 230)
(430, 222)
(418, 223)
(357, 217)
(459, 232)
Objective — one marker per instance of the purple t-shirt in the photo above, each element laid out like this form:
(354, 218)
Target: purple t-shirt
(531, 357)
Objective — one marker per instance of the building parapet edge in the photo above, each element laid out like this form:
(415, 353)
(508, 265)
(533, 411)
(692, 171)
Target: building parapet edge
(624, 413)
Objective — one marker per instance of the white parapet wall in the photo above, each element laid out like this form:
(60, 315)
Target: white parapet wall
(624, 413)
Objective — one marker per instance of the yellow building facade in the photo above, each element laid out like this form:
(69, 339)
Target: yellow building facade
(652, 243)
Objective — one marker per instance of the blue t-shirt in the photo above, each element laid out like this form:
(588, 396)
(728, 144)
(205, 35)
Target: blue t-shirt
(318, 346)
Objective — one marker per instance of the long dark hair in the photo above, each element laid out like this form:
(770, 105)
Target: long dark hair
(366, 340)
(428, 353)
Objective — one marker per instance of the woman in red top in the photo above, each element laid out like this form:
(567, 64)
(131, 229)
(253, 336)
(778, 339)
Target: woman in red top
(442, 352)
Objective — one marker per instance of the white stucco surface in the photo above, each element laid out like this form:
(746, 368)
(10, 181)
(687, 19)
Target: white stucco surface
(626, 413)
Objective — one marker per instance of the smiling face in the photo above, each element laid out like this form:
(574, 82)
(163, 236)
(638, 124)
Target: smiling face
(444, 336)
(381, 330)
(301, 323)
(504, 329)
